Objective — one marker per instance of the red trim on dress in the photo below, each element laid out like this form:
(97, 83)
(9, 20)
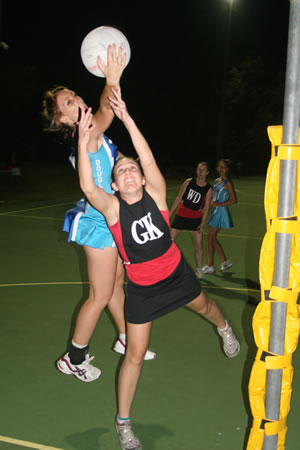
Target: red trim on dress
(153, 271)
(183, 211)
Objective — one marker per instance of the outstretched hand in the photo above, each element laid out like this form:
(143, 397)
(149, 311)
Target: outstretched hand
(115, 65)
(118, 105)
(85, 125)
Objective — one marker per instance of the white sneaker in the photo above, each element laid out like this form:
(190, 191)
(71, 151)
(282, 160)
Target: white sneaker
(209, 270)
(230, 343)
(120, 347)
(225, 265)
(84, 371)
(199, 273)
(128, 440)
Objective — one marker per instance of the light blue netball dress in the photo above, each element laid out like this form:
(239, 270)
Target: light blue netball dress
(85, 224)
(220, 216)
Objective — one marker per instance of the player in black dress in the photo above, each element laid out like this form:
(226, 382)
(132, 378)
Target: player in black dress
(193, 202)
(159, 279)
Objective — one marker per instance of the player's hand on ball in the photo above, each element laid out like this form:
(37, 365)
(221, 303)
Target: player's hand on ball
(115, 65)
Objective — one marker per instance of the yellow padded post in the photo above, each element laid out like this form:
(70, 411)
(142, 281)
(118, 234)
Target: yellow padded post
(269, 294)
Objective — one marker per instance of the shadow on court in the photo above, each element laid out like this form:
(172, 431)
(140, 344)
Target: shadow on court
(191, 397)
(91, 439)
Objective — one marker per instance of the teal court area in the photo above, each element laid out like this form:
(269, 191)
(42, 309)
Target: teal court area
(190, 398)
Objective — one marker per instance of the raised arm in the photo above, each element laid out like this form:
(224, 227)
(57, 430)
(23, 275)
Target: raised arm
(101, 200)
(113, 71)
(155, 182)
(179, 196)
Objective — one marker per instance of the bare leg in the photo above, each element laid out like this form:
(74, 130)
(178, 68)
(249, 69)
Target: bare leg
(174, 233)
(116, 303)
(208, 309)
(219, 248)
(214, 245)
(197, 235)
(102, 268)
(137, 343)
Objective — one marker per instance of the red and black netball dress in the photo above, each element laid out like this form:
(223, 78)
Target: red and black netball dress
(189, 213)
(159, 279)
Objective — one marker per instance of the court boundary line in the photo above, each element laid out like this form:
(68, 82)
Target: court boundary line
(75, 283)
(44, 283)
(30, 217)
(184, 231)
(39, 207)
(27, 444)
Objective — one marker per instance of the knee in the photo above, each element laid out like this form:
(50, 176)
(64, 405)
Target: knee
(199, 246)
(119, 280)
(211, 238)
(205, 307)
(99, 298)
(135, 357)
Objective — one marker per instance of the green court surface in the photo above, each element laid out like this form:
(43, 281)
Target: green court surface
(191, 397)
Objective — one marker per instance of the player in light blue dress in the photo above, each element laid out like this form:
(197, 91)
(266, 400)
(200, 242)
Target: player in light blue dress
(220, 216)
(223, 196)
(87, 227)
(85, 224)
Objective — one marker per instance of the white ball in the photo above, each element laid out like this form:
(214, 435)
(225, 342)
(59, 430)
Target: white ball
(96, 43)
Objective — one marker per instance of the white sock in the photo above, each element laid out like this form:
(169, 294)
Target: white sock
(121, 420)
(225, 328)
(122, 336)
(78, 345)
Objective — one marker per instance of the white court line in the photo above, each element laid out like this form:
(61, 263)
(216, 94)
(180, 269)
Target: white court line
(60, 283)
(240, 237)
(183, 231)
(231, 235)
(35, 209)
(29, 217)
(27, 444)
(47, 283)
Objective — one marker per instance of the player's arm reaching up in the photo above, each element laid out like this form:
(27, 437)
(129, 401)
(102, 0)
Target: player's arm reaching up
(155, 182)
(100, 199)
(113, 71)
(178, 199)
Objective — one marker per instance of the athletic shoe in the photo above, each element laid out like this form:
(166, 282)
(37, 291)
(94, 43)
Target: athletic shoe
(225, 266)
(128, 440)
(120, 347)
(84, 371)
(231, 344)
(199, 273)
(209, 270)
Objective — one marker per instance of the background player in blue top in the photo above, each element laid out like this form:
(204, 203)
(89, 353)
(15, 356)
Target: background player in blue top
(223, 196)
(87, 226)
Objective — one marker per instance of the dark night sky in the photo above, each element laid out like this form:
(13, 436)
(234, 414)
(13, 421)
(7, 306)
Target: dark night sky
(177, 47)
(162, 30)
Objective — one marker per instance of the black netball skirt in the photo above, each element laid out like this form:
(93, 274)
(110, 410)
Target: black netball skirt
(146, 303)
(186, 223)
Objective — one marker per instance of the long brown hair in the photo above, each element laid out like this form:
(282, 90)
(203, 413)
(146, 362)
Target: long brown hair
(51, 112)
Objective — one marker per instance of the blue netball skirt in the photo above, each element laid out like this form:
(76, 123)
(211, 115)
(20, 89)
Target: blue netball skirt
(87, 229)
(220, 218)
(146, 303)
